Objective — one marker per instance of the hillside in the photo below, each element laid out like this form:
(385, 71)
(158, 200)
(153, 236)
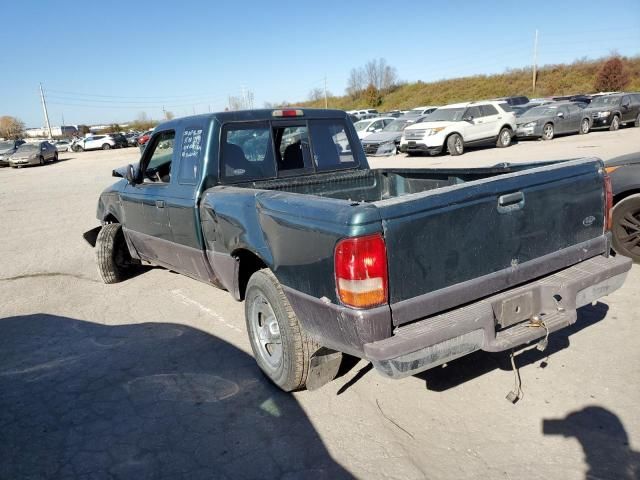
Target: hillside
(562, 79)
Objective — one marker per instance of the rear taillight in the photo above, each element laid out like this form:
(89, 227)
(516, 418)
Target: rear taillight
(608, 202)
(361, 271)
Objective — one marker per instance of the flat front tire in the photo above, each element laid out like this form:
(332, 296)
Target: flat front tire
(615, 123)
(626, 227)
(455, 145)
(112, 255)
(280, 346)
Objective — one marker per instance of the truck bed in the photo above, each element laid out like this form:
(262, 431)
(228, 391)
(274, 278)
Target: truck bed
(452, 236)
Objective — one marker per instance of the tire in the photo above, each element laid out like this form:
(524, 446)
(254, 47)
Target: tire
(55, 157)
(637, 122)
(504, 138)
(455, 145)
(267, 310)
(585, 126)
(626, 227)
(615, 123)
(106, 146)
(42, 162)
(548, 132)
(112, 255)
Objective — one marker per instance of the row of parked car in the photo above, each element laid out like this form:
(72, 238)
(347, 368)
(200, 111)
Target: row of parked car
(18, 153)
(451, 128)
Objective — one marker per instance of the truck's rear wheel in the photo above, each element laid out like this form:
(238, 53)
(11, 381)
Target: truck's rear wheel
(112, 255)
(626, 227)
(281, 348)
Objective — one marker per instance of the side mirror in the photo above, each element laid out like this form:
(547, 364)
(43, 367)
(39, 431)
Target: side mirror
(625, 106)
(130, 175)
(468, 118)
(377, 130)
(560, 114)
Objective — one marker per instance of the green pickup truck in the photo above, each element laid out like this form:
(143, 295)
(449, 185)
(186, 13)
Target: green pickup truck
(408, 269)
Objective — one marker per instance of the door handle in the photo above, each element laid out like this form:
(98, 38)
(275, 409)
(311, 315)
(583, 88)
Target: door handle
(510, 202)
(160, 203)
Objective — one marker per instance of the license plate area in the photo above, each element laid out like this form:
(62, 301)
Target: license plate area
(516, 309)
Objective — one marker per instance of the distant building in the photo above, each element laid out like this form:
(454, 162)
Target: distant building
(63, 131)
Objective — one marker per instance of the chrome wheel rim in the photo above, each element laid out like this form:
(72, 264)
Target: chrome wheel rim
(585, 126)
(458, 144)
(615, 123)
(506, 138)
(548, 132)
(265, 332)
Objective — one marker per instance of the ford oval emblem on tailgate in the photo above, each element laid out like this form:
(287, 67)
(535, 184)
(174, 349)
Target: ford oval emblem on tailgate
(588, 221)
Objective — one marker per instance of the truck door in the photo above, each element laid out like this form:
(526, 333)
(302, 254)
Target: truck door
(146, 217)
(182, 204)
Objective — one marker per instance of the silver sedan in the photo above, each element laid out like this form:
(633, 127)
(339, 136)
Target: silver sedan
(37, 153)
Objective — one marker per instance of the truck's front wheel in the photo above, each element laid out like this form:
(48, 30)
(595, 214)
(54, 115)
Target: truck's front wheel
(112, 255)
(281, 348)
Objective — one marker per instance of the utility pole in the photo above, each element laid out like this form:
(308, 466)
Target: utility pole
(62, 120)
(535, 64)
(46, 114)
(326, 102)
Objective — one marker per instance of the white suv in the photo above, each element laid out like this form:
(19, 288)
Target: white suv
(453, 127)
(94, 142)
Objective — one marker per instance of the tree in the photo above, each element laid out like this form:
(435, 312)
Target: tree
(612, 76)
(316, 94)
(168, 115)
(372, 96)
(375, 72)
(115, 128)
(11, 127)
(83, 130)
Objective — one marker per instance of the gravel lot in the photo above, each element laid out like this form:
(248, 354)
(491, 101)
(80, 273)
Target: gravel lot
(153, 377)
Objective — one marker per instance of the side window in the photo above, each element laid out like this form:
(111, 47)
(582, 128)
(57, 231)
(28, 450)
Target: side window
(292, 147)
(190, 156)
(331, 146)
(245, 152)
(488, 110)
(473, 112)
(158, 168)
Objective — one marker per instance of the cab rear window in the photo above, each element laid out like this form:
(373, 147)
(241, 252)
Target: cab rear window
(260, 150)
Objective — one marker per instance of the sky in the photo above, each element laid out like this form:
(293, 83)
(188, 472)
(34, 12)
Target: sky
(109, 62)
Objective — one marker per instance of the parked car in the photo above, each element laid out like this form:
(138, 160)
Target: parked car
(515, 100)
(387, 142)
(364, 114)
(550, 120)
(453, 127)
(144, 138)
(519, 110)
(62, 145)
(392, 113)
(94, 142)
(384, 280)
(7, 148)
(120, 140)
(132, 139)
(625, 181)
(420, 111)
(36, 153)
(372, 125)
(614, 110)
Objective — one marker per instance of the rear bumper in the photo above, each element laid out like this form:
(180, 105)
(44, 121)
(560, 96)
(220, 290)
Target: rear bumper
(498, 322)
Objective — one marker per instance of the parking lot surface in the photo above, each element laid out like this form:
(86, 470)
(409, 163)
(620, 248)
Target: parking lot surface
(153, 377)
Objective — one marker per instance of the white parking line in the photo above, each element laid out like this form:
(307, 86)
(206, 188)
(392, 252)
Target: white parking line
(189, 301)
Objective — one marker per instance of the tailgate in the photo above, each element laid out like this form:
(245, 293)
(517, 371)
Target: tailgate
(456, 244)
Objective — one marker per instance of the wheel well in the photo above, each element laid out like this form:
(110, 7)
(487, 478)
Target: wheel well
(110, 219)
(446, 139)
(622, 195)
(250, 263)
(507, 126)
